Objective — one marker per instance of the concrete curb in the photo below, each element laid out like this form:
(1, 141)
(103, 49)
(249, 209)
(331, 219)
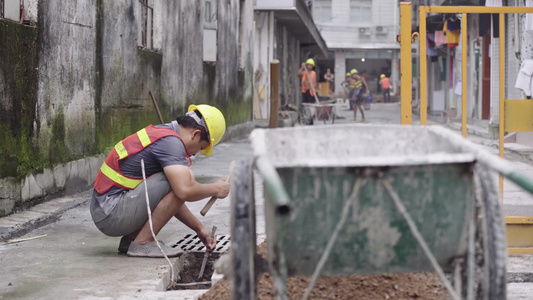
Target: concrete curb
(519, 277)
(21, 223)
(485, 135)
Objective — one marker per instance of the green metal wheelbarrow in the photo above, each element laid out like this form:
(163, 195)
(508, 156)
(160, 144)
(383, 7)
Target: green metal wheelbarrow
(356, 199)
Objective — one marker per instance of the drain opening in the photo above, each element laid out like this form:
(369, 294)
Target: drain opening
(191, 243)
(190, 264)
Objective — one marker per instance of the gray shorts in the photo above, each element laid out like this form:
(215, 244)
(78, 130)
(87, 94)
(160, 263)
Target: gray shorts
(130, 214)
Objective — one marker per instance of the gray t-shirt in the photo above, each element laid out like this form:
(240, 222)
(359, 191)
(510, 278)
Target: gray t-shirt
(166, 151)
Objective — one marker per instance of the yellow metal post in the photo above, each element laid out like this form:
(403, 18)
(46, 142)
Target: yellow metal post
(406, 64)
(464, 34)
(423, 68)
(502, 92)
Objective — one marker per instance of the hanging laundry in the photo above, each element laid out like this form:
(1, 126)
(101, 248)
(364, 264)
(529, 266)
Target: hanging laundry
(440, 38)
(525, 75)
(452, 36)
(431, 40)
(451, 71)
(431, 51)
(453, 24)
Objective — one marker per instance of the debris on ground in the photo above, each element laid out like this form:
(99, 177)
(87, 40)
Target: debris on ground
(381, 286)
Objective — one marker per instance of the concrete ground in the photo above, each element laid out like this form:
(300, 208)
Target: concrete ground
(75, 261)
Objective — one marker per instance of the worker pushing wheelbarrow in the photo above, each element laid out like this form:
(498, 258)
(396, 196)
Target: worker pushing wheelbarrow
(401, 199)
(311, 107)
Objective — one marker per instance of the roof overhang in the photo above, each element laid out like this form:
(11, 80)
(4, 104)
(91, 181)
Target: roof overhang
(366, 46)
(295, 16)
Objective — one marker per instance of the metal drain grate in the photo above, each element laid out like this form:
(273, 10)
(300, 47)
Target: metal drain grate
(191, 243)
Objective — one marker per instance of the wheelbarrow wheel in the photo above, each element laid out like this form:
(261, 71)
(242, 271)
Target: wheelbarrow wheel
(243, 247)
(489, 280)
(304, 116)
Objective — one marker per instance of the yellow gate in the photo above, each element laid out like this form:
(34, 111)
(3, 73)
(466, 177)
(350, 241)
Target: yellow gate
(515, 115)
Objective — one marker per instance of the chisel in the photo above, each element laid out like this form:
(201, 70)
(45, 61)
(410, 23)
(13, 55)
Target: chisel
(206, 255)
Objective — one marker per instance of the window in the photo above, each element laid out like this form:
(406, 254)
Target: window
(322, 11)
(210, 14)
(147, 25)
(11, 9)
(361, 11)
(210, 30)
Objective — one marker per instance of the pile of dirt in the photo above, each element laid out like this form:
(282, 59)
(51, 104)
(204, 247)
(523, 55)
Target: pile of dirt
(381, 286)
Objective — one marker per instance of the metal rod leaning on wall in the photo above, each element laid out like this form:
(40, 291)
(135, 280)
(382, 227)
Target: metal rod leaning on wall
(464, 37)
(502, 95)
(423, 68)
(406, 64)
(156, 107)
(274, 93)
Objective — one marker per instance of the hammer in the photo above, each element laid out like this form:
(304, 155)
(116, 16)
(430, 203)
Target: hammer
(210, 202)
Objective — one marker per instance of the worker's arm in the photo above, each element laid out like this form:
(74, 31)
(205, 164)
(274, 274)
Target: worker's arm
(187, 218)
(187, 189)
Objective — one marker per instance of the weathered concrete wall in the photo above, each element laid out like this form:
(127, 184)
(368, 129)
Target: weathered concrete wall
(18, 97)
(274, 41)
(77, 83)
(65, 123)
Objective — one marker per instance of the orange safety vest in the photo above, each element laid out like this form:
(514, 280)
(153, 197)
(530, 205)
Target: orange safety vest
(110, 174)
(385, 83)
(304, 76)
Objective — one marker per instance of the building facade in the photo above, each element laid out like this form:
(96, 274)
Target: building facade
(360, 34)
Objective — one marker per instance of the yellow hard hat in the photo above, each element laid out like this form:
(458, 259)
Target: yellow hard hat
(348, 74)
(382, 76)
(216, 125)
(353, 71)
(310, 62)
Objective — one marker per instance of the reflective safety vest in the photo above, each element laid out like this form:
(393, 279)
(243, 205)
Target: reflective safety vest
(312, 74)
(110, 174)
(385, 84)
(355, 84)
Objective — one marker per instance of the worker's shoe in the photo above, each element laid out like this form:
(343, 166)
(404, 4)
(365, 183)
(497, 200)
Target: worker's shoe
(151, 250)
(124, 244)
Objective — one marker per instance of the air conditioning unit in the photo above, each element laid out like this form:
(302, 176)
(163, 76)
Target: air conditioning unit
(381, 30)
(364, 31)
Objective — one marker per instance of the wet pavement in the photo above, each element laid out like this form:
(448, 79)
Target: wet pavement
(75, 261)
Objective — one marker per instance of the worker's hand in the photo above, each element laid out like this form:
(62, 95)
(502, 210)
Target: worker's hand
(222, 186)
(303, 65)
(205, 237)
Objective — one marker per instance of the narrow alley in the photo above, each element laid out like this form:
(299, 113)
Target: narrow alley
(75, 261)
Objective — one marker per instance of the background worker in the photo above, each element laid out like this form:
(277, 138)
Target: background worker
(360, 93)
(309, 81)
(385, 87)
(118, 206)
(346, 86)
(329, 77)
(353, 85)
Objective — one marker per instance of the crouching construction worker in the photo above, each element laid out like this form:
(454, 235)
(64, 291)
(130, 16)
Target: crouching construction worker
(118, 206)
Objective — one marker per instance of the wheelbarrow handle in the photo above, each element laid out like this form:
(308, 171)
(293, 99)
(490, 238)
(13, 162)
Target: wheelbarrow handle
(491, 161)
(507, 170)
(273, 185)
